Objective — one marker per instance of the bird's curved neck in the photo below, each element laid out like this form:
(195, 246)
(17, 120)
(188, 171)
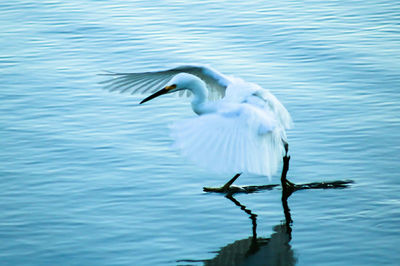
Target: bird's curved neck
(199, 102)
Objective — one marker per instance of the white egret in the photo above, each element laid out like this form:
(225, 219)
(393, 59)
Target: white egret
(240, 127)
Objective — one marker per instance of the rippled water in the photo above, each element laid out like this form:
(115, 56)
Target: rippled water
(89, 178)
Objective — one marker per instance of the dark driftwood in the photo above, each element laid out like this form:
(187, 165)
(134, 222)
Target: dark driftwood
(287, 186)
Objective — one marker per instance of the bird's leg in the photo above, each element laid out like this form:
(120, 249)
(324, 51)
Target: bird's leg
(285, 169)
(225, 188)
(230, 182)
(286, 184)
(286, 145)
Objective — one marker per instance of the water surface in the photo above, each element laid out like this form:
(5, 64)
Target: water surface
(89, 178)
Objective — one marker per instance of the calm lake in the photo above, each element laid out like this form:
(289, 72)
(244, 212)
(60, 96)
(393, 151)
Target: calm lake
(89, 177)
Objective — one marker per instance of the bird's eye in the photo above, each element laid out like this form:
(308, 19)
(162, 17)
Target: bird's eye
(171, 87)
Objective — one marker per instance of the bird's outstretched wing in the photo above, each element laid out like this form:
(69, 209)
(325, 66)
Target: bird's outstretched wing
(230, 143)
(149, 82)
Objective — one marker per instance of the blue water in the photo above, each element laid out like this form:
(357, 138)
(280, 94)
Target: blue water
(88, 177)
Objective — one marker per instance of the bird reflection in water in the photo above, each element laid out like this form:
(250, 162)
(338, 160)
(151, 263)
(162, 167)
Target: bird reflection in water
(255, 250)
(275, 250)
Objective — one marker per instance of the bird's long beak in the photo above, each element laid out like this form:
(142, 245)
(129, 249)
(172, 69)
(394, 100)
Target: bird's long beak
(154, 95)
(160, 92)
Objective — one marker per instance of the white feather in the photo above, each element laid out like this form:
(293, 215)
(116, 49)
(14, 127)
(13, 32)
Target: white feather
(231, 141)
(152, 81)
(243, 131)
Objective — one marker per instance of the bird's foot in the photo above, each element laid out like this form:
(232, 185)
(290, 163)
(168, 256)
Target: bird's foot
(289, 184)
(225, 189)
(239, 189)
(325, 185)
(289, 187)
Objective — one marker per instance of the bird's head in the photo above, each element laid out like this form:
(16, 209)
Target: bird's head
(181, 81)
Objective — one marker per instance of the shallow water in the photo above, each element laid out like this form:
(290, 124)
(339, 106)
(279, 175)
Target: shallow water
(89, 178)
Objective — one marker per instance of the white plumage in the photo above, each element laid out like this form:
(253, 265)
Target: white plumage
(240, 127)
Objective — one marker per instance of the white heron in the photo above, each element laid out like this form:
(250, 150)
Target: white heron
(240, 127)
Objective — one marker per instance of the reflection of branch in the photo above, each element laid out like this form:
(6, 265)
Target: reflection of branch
(253, 216)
